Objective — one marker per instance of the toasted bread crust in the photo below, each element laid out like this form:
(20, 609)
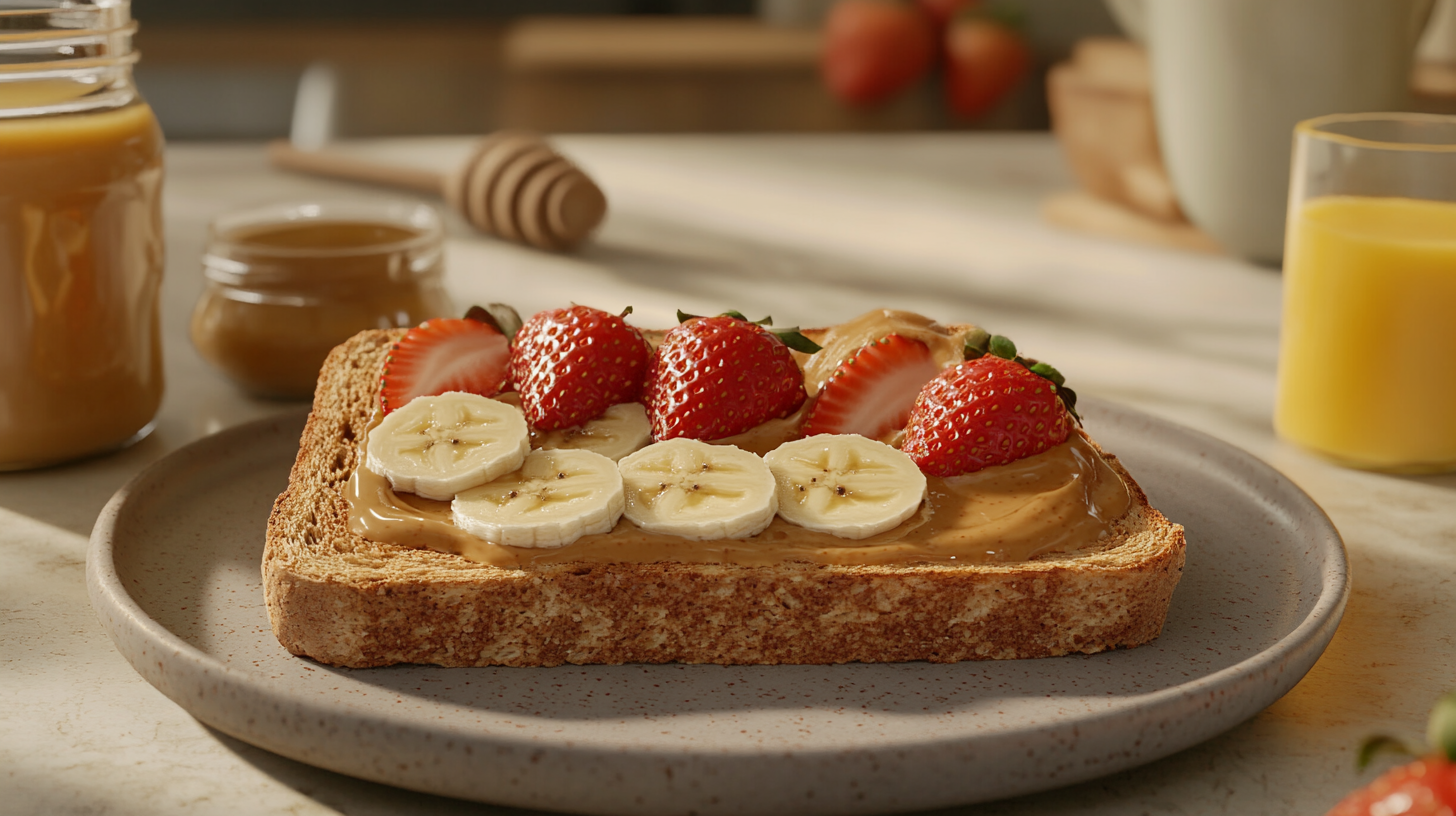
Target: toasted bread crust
(344, 600)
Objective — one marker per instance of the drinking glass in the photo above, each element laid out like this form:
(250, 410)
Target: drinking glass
(1367, 359)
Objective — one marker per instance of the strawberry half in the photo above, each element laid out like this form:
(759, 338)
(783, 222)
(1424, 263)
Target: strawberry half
(570, 365)
(871, 393)
(720, 376)
(984, 412)
(445, 354)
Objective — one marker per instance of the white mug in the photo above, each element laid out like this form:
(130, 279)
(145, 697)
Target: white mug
(1232, 77)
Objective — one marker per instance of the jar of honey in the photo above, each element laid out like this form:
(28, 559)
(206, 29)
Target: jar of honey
(287, 283)
(80, 235)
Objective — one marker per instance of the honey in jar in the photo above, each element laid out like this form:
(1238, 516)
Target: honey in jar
(286, 284)
(80, 237)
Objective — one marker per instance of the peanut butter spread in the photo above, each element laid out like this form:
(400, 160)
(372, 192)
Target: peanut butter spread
(1062, 500)
(841, 342)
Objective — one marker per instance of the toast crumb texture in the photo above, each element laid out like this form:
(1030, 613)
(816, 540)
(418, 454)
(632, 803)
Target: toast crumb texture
(347, 601)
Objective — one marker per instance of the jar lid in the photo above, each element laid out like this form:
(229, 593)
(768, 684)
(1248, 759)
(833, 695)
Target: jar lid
(58, 56)
(309, 244)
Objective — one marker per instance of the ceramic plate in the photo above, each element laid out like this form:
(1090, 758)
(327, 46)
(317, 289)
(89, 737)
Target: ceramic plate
(173, 571)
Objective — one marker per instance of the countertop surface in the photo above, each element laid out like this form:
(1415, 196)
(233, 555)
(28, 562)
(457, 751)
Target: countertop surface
(813, 230)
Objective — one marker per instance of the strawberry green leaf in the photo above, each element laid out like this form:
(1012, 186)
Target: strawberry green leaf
(1047, 372)
(978, 342)
(737, 315)
(1441, 728)
(1381, 744)
(499, 316)
(1002, 347)
(1069, 399)
(796, 341)
(683, 317)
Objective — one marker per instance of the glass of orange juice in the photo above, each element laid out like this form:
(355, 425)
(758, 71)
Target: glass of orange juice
(1367, 358)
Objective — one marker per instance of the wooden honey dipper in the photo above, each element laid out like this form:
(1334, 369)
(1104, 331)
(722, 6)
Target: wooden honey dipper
(514, 185)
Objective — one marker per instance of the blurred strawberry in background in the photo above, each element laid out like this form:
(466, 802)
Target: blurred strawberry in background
(985, 59)
(874, 49)
(941, 12)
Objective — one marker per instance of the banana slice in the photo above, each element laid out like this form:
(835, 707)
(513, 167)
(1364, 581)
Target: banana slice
(438, 446)
(845, 485)
(555, 498)
(689, 488)
(619, 431)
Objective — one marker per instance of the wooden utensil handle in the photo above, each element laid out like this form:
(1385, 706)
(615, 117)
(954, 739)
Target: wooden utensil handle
(282, 153)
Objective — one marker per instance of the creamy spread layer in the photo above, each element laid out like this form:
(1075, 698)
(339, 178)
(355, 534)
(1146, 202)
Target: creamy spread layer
(1065, 499)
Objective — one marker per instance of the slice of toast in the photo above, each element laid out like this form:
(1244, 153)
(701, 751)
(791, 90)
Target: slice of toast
(345, 600)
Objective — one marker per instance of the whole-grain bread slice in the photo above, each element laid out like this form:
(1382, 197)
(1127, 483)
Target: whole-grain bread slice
(344, 600)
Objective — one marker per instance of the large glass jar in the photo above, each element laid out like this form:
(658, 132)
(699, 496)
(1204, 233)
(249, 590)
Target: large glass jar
(287, 283)
(80, 234)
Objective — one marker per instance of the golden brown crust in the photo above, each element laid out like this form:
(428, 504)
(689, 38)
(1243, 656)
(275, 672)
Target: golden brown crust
(344, 600)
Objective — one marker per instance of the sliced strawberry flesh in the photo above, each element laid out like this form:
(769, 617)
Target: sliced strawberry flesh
(871, 393)
(444, 355)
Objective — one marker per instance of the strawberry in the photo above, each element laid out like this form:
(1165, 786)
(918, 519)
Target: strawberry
(874, 49)
(984, 60)
(570, 365)
(941, 12)
(445, 354)
(871, 393)
(1426, 787)
(986, 411)
(719, 376)
(1421, 788)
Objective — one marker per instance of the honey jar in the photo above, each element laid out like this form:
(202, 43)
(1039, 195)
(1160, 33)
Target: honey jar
(80, 235)
(287, 283)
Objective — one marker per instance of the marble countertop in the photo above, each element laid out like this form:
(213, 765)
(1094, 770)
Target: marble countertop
(812, 230)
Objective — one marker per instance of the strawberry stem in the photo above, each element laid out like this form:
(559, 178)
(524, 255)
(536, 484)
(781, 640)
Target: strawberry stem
(625, 312)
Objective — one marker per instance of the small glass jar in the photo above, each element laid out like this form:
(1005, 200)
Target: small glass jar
(288, 283)
(80, 235)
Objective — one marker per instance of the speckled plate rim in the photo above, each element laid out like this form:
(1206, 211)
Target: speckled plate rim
(749, 781)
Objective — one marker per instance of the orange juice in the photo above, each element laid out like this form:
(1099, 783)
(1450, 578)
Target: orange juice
(1367, 361)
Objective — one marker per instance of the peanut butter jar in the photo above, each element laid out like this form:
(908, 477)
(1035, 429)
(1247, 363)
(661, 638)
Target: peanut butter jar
(287, 283)
(80, 235)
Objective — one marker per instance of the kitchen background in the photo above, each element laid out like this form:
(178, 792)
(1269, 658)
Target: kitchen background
(235, 69)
